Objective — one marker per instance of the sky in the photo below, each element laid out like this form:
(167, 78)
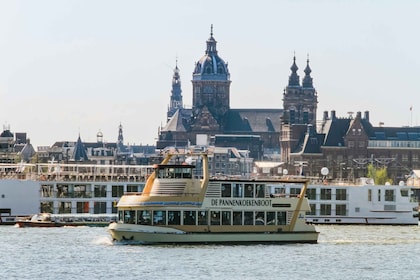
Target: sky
(70, 68)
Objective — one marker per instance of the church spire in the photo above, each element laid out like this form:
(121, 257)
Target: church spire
(294, 77)
(307, 80)
(176, 93)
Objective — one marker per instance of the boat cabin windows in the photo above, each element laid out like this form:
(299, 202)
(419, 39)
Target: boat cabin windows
(82, 207)
(100, 190)
(241, 190)
(248, 218)
(215, 218)
(64, 207)
(326, 209)
(325, 194)
(341, 194)
(404, 192)
(311, 194)
(294, 192)
(226, 190)
(341, 210)
(270, 218)
(144, 217)
(238, 190)
(47, 206)
(226, 217)
(159, 217)
(189, 217)
(165, 172)
(99, 207)
(260, 190)
(389, 195)
(237, 218)
(249, 190)
(117, 191)
(281, 218)
(47, 190)
(174, 217)
(259, 218)
(129, 217)
(201, 218)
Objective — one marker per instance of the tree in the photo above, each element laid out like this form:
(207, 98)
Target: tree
(379, 175)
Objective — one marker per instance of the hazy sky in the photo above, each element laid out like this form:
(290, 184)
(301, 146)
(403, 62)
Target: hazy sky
(70, 67)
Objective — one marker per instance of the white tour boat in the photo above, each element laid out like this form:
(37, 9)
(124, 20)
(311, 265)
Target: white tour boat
(362, 204)
(178, 207)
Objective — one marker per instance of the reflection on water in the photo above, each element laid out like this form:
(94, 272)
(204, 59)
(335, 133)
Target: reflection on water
(343, 252)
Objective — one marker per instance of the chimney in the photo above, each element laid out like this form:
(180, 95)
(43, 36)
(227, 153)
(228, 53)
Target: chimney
(333, 115)
(325, 115)
(359, 115)
(367, 115)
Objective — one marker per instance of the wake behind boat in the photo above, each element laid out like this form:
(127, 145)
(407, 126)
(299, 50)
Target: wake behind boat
(178, 207)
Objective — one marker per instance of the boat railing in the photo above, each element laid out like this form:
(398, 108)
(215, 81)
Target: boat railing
(75, 172)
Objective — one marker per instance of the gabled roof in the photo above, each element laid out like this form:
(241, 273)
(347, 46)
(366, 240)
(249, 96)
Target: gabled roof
(253, 120)
(178, 121)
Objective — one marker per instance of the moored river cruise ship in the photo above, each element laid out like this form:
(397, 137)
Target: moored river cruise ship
(178, 207)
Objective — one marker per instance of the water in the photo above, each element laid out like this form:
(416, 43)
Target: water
(343, 252)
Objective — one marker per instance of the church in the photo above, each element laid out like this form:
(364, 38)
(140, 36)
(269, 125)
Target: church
(212, 121)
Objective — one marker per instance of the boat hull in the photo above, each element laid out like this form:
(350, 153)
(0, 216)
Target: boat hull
(141, 235)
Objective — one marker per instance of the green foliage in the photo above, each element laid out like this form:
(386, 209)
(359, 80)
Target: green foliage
(379, 175)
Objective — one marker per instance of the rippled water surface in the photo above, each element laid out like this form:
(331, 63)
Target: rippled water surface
(342, 252)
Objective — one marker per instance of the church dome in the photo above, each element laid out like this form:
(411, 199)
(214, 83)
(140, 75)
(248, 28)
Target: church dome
(211, 66)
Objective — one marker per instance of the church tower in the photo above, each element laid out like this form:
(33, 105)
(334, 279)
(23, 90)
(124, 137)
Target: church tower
(211, 89)
(176, 93)
(299, 110)
(300, 102)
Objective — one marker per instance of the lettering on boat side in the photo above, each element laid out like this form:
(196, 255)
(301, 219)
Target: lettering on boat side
(240, 202)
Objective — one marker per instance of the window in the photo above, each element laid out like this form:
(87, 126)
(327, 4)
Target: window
(326, 209)
(203, 218)
(259, 218)
(129, 216)
(326, 194)
(174, 217)
(294, 191)
(159, 217)
(249, 190)
(226, 190)
(215, 218)
(237, 218)
(99, 207)
(64, 208)
(189, 217)
(144, 217)
(270, 218)
(379, 195)
(341, 210)
(311, 193)
(389, 195)
(117, 191)
(82, 207)
(238, 190)
(132, 188)
(248, 218)
(313, 209)
(282, 218)
(341, 194)
(369, 195)
(226, 218)
(100, 190)
(260, 190)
